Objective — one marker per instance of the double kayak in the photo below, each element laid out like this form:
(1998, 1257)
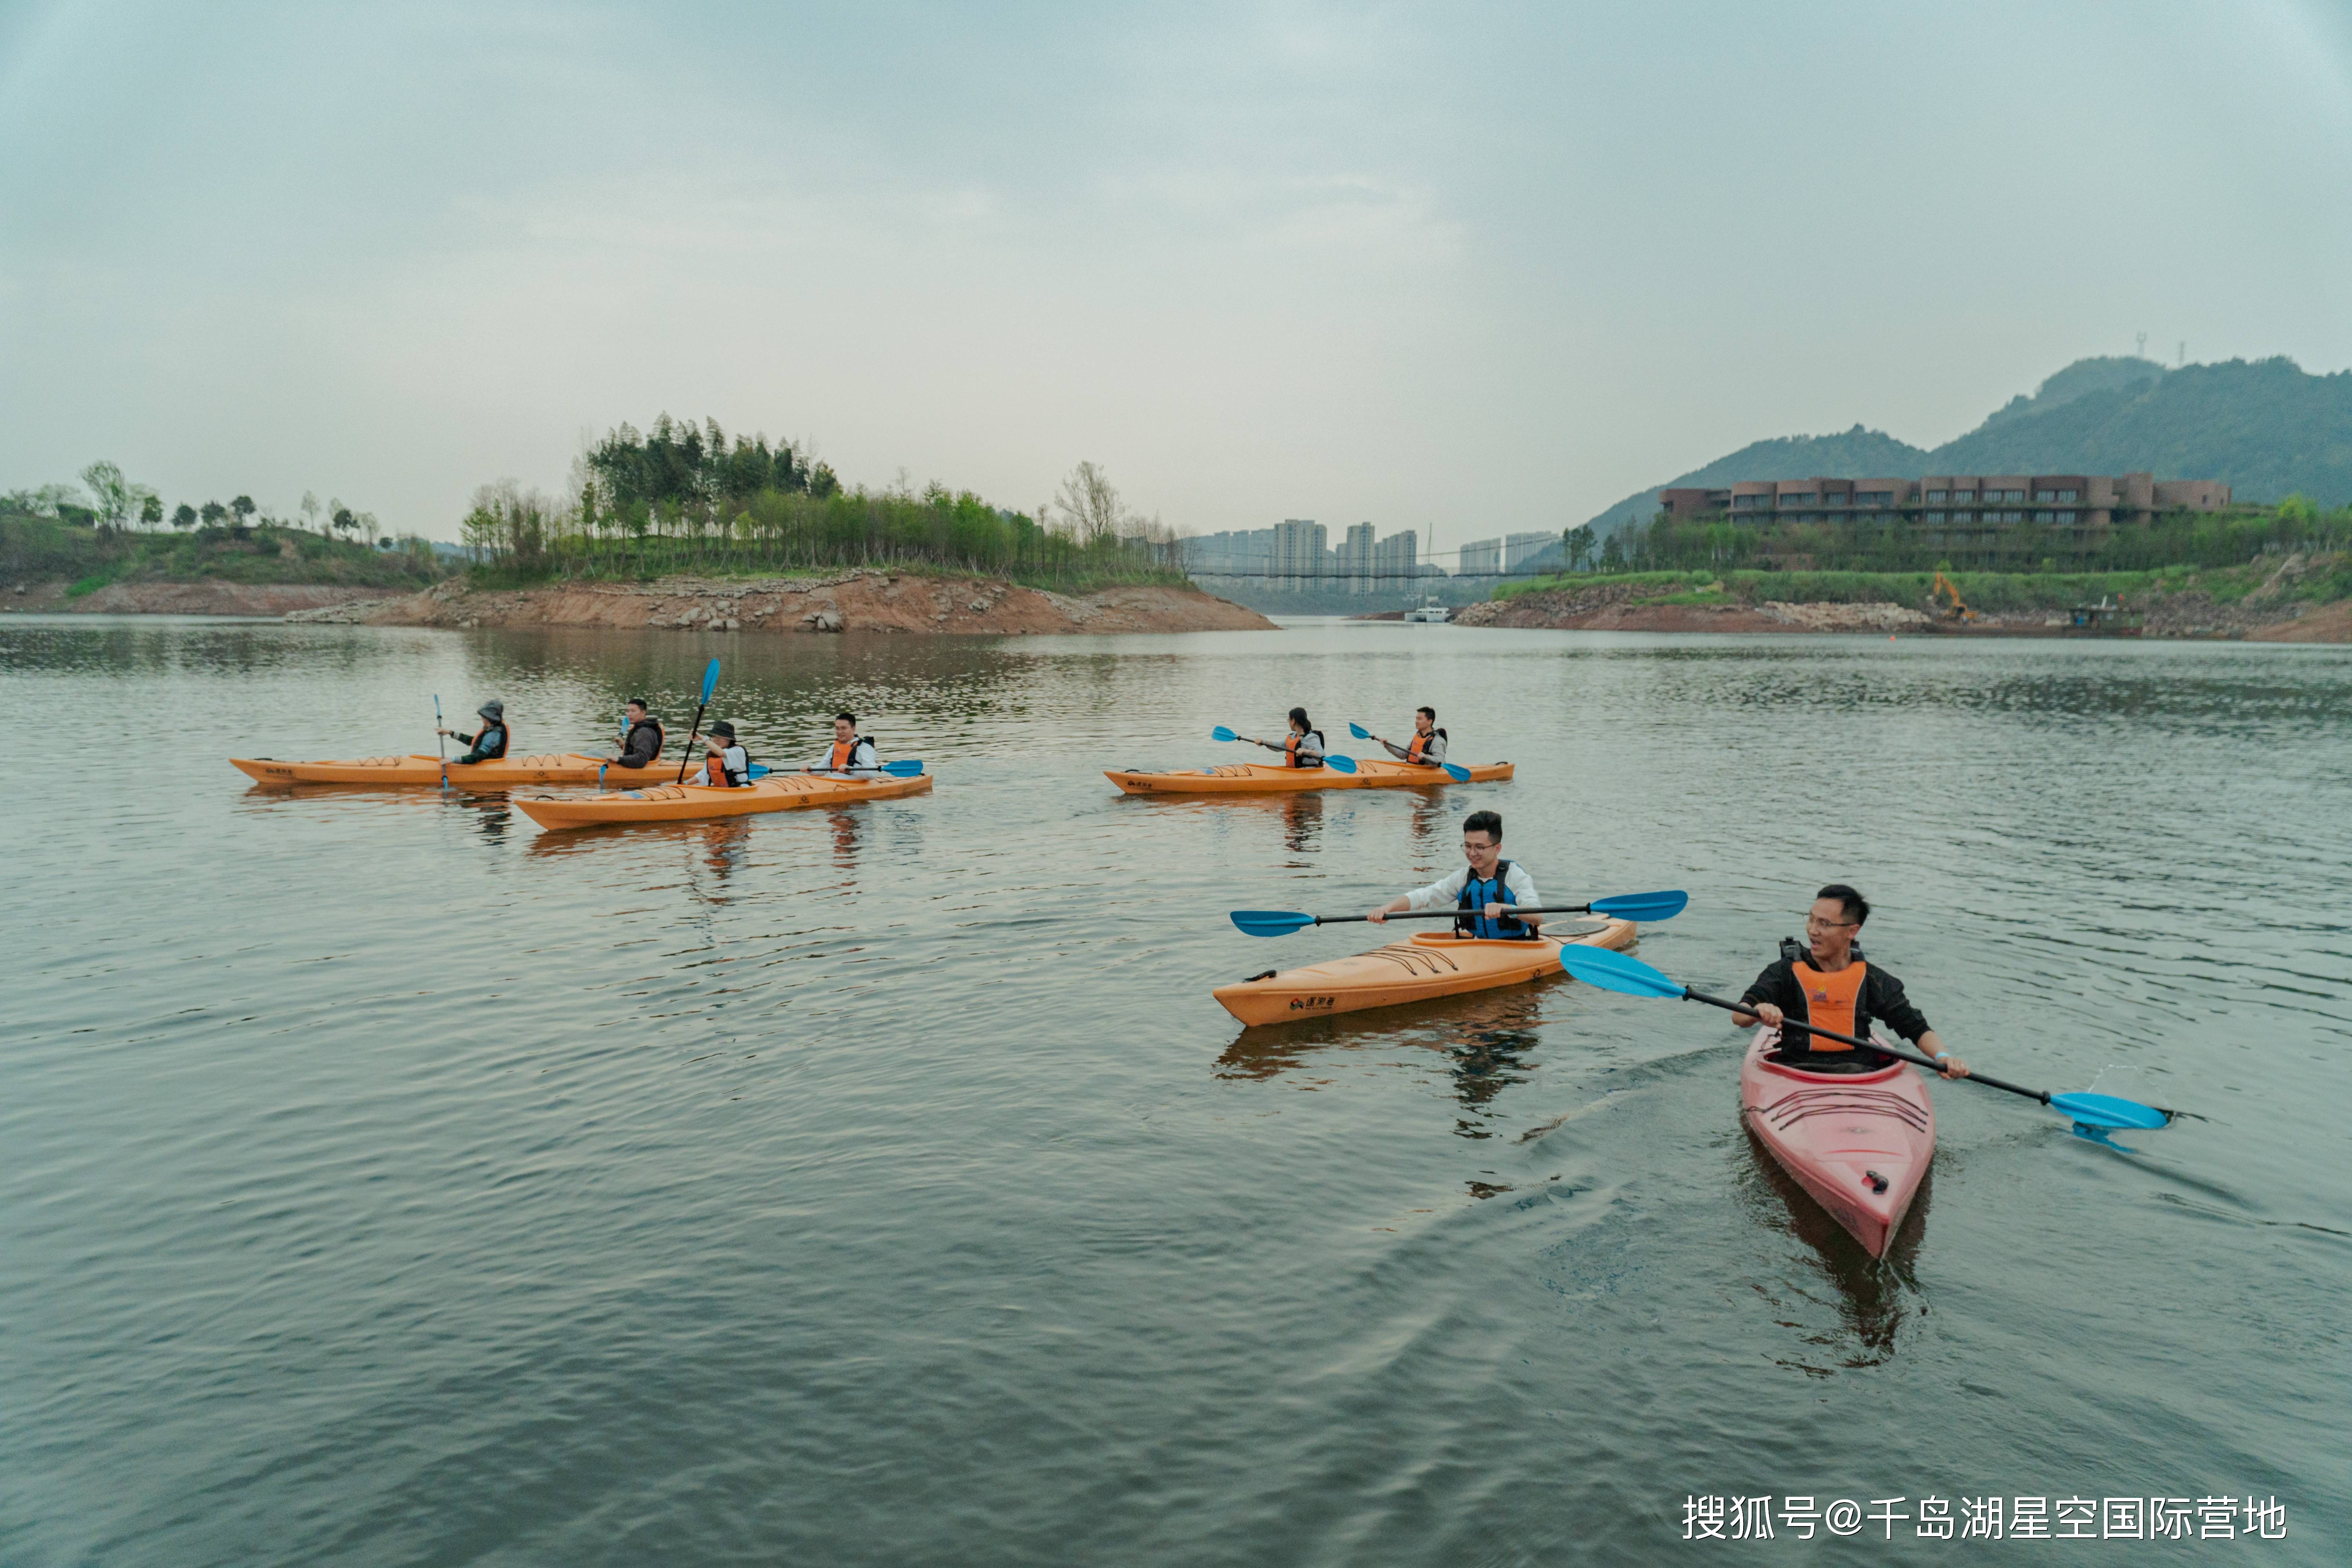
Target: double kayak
(1259, 778)
(562, 768)
(1859, 1142)
(691, 801)
(1421, 966)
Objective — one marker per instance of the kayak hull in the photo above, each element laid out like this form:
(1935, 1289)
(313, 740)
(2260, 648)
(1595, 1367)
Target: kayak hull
(1425, 965)
(1258, 778)
(1839, 1135)
(690, 803)
(568, 767)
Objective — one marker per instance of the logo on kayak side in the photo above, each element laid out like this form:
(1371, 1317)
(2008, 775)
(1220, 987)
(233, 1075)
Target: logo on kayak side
(1310, 1004)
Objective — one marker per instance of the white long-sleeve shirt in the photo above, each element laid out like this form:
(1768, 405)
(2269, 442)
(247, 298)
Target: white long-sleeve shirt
(1447, 892)
(861, 755)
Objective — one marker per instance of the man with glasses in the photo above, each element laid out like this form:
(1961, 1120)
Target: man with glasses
(1827, 981)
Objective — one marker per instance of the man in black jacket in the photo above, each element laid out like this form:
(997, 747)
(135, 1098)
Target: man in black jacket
(490, 744)
(1827, 981)
(642, 747)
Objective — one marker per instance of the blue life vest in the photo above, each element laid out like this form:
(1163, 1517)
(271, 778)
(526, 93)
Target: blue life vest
(1477, 894)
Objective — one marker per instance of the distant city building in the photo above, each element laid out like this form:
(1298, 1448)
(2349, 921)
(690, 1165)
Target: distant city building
(1480, 557)
(1521, 548)
(1293, 554)
(1966, 500)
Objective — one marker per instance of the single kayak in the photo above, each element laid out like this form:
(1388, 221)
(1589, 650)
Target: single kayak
(692, 802)
(1425, 964)
(1260, 778)
(1859, 1142)
(567, 767)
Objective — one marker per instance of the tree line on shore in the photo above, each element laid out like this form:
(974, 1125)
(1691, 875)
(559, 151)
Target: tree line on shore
(685, 498)
(117, 503)
(2228, 538)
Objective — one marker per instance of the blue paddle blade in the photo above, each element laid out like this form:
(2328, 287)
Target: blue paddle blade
(906, 768)
(1458, 775)
(710, 680)
(1615, 972)
(1222, 733)
(761, 769)
(1642, 906)
(1340, 764)
(1359, 731)
(1271, 923)
(2108, 1111)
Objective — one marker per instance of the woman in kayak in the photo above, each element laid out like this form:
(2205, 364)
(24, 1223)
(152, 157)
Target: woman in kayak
(1302, 748)
(491, 743)
(1427, 747)
(728, 764)
(851, 752)
(1485, 890)
(1825, 981)
(642, 744)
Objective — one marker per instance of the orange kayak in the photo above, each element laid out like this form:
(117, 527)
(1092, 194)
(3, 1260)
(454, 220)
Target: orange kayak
(1257, 778)
(1425, 964)
(689, 802)
(567, 767)
(1859, 1142)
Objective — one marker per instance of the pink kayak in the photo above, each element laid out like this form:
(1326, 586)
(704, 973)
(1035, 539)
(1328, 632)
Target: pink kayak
(1859, 1142)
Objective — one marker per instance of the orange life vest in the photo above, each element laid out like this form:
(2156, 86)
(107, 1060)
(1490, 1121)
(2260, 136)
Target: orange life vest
(1290, 758)
(1830, 1001)
(1414, 747)
(842, 751)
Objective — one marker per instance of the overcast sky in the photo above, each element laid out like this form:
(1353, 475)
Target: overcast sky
(1488, 268)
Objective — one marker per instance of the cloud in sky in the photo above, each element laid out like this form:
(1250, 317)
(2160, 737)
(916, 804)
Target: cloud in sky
(1489, 268)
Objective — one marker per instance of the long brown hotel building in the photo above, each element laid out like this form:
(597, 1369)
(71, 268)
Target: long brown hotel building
(1981, 500)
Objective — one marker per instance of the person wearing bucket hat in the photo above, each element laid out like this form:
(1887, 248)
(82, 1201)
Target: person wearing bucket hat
(729, 764)
(490, 742)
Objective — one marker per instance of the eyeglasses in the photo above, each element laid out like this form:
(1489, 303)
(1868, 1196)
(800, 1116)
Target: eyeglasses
(1815, 923)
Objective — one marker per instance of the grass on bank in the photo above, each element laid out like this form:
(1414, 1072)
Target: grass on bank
(45, 550)
(2325, 580)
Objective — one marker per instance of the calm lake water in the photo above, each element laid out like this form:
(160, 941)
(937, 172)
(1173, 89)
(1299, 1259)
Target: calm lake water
(387, 1182)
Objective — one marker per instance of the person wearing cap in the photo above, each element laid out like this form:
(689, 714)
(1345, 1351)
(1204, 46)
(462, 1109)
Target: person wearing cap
(490, 743)
(729, 765)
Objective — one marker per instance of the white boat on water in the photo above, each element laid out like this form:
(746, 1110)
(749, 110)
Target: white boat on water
(1431, 611)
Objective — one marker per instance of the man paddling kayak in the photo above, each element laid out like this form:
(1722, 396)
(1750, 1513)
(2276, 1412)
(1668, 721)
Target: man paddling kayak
(1827, 981)
(642, 746)
(1484, 889)
(1427, 747)
(852, 752)
(728, 764)
(491, 743)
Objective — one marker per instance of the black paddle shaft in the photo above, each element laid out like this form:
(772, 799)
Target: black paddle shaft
(1452, 914)
(687, 755)
(1747, 1010)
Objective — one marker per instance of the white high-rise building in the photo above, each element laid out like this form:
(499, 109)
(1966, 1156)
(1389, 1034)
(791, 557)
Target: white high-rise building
(1299, 556)
(1519, 548)
(1355, 557)
(1481, 557)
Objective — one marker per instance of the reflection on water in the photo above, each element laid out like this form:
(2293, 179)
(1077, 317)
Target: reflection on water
(1866, 1297)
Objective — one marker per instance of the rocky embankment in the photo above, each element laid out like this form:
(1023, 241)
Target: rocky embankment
(209, 597)
(1616, 607)
(857, 601)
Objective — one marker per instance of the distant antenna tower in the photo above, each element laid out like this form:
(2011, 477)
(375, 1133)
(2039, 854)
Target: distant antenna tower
(2143, 345)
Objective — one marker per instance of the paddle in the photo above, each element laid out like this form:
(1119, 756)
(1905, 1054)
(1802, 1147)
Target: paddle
(1335, 763)
(1625, 906)
(440, 741)
(905, 768)
(1458, 775)
(709, 684)
(1616, 972)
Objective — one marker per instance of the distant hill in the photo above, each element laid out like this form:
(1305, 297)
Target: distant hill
(2266, 429)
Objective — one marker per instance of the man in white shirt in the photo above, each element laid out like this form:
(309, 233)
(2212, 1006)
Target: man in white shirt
(1485, 890)
(850, 752)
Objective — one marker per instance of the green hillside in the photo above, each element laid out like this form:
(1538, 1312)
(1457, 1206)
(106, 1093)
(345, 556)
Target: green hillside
(49, 550)
(2267, 429)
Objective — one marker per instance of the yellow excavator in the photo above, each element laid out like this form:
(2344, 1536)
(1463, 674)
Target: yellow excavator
(1956, 609)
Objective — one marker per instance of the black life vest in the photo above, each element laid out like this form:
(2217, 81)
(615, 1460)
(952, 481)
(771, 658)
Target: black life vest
(661, 738)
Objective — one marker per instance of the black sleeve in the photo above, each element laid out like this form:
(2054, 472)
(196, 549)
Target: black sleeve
(1888, 1002)
(1778, 985)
